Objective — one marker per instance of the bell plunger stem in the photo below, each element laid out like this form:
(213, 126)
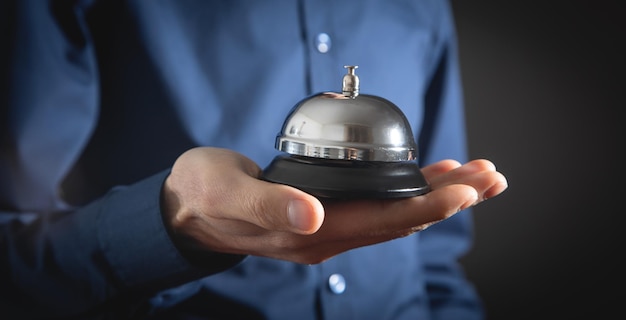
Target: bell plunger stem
(350, 83)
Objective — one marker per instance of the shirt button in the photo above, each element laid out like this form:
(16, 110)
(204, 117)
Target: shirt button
(337, 283)
(322, 42)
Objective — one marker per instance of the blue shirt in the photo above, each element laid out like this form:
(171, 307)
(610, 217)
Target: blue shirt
(99, 99)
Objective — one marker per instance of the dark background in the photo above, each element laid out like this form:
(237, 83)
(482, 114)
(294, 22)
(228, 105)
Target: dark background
(544, 88)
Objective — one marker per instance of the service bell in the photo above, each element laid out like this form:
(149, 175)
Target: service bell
(347, 145)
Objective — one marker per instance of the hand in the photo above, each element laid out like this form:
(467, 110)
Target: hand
(214, 200)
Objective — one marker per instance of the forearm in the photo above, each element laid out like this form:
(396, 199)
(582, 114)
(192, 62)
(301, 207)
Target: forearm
(75, 262)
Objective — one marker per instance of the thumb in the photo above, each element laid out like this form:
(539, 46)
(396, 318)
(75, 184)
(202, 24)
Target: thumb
(281, 207)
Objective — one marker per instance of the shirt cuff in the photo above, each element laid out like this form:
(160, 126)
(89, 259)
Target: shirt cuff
(137, 245)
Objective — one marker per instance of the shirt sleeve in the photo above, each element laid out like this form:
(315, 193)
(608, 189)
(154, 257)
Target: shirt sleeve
(57, 261)
(115, 249)
(443, 136)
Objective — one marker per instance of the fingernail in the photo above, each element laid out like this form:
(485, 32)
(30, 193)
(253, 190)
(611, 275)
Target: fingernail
(298, 214)
(495, 190)
(472, 201)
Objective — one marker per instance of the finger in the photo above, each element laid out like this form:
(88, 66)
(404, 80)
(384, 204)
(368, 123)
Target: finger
(496, 188)
(360, 223)
(457, 174)
(439, 168)
(418, 212)
(279, 207)
(406, 213)
(479, 174)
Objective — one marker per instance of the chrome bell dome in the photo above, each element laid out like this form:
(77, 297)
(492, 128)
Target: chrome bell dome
(347, 126)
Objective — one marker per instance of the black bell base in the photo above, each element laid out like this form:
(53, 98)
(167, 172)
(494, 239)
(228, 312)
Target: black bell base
(348, 179)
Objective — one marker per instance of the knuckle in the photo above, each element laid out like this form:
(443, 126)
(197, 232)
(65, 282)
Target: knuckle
(261, 213)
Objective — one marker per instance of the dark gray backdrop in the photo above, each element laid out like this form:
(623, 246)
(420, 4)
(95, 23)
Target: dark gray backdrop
(544, 88)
